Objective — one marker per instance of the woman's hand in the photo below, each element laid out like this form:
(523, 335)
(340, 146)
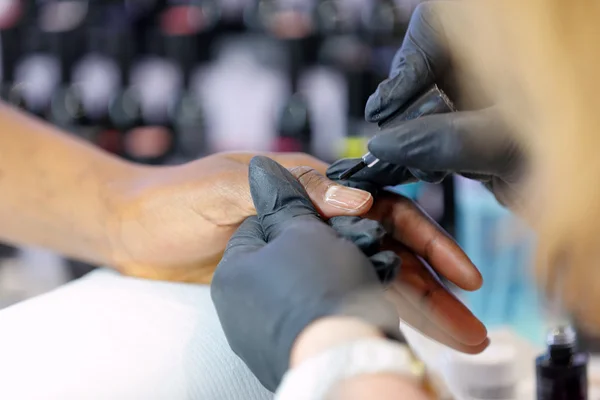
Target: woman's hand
(173, 223)
(428, 252)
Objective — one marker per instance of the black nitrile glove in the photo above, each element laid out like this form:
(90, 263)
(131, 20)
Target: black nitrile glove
(286, 268)
(371, 179)
(472, 143)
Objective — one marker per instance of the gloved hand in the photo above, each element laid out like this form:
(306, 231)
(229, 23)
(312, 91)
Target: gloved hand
(373, 179)
(472, 143)
(286, 268)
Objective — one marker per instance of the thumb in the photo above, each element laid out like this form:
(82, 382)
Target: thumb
(278, 197)
(471, 142)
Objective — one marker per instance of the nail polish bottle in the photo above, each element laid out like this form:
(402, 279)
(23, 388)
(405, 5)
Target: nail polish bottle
(37, 72)
(294, 126)
(65, 30)
(98, 76)
(157, 80)
(331, 17)
(349, 53)
(231, 14)
(12, 20)
(360, 85)
(124, 109)
(293, 27)
(561, 373)
(241, 94)
(189, 47)
(258, 14)
(197, 19)
(383, 28)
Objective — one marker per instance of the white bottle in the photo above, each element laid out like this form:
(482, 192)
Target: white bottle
(492, 374)
(241, 100)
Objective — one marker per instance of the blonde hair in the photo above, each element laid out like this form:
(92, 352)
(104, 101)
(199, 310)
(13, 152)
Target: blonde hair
(539, 60)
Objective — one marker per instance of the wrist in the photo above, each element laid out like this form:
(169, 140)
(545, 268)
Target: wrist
(329, 332)
(120, 184)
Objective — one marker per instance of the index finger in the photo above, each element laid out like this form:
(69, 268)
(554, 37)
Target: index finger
(411, 226)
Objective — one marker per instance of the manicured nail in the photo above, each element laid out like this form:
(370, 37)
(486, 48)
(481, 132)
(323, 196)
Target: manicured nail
(346, 198)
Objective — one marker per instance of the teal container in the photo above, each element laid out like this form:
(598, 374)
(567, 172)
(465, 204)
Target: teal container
(501, 246)
(411, 190)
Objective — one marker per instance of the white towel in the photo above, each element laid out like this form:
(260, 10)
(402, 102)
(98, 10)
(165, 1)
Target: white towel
(110, 337)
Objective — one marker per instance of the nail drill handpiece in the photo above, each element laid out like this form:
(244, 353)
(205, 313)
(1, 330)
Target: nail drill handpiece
(432, 101)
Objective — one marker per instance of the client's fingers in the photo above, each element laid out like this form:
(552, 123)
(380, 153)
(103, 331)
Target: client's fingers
(288, 160)
(413, 293)
(330, 198)
(414, 317)
(438, 308)
(414, 228)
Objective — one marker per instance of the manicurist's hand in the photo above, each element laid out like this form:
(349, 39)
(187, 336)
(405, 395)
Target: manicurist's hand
(286, 268)
(474, 141)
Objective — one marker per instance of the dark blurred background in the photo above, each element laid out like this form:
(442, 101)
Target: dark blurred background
(166, 82)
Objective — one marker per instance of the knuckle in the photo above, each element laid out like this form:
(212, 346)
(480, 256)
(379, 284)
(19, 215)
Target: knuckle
(301, 171)
(308, 177)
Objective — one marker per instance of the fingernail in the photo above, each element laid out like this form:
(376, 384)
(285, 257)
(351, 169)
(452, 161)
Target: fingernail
(346, 198)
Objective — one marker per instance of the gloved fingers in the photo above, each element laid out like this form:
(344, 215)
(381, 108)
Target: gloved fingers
(278, 196)
(409, 76)
(370, 179)
(329, 198)
(411, 226)
(387, 264)
(428, 176)
(248, 238)
(465, 142)
(419, 61)
(364, 233)
(369, 304)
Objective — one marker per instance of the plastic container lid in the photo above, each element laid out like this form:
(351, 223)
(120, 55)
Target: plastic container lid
(491, 374)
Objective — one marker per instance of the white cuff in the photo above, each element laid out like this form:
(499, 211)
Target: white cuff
(314, 378)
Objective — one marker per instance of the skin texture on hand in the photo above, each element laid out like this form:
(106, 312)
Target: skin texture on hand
(174, 222)
(427, 251)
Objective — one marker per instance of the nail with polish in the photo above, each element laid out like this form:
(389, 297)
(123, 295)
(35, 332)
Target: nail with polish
(346, 198)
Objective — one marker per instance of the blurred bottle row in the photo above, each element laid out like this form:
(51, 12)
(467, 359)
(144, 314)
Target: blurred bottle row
(167, 81)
